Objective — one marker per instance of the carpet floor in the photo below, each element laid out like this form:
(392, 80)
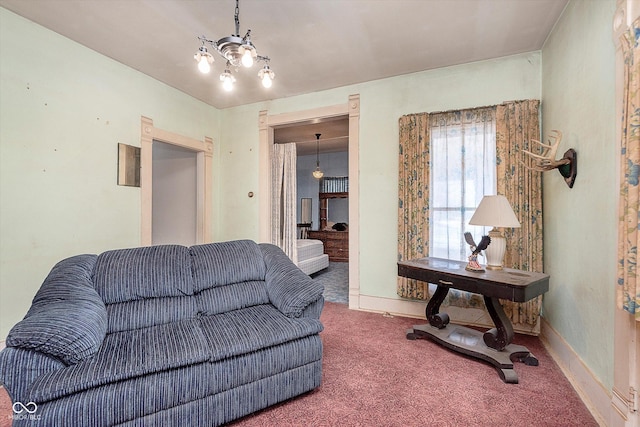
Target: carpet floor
(374, 376)
(335, 280)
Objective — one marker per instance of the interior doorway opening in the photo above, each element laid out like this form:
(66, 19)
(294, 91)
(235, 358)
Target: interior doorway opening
(267, 125)
(151, 136)
(174, 200)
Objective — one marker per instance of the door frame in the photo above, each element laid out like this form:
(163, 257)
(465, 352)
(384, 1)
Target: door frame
(204, 178)
(266, 125)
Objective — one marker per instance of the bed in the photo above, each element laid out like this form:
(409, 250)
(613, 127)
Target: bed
(311, 256)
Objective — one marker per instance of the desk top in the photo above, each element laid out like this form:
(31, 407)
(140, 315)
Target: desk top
(509, 284)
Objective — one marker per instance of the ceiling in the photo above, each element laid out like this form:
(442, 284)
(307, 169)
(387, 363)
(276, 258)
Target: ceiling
(314, 45)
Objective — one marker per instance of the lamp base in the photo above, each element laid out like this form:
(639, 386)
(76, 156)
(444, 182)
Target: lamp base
(496, 249)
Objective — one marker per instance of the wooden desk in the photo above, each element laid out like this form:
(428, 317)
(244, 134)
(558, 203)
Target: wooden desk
(494, 346)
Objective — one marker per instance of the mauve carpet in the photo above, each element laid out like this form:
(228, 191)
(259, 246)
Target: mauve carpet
(374, 376)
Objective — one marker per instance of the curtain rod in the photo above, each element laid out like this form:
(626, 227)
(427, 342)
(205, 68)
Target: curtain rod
(470, 108)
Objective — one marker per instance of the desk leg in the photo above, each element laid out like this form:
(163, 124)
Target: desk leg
(496, 349)
(502, 335)
(439, 320)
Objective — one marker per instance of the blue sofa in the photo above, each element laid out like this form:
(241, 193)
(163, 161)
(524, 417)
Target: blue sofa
(165, 336)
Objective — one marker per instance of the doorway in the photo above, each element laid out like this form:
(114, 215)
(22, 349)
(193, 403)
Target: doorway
(322, 144)
(267, 124)
(174, 195)
(151, 138)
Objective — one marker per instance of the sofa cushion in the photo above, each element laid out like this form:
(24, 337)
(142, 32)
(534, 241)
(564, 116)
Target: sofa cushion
(125, 355)
(132, 274)
(221, 299)
(242, 331)
(125, 316)
(217, 264)
(67, 319)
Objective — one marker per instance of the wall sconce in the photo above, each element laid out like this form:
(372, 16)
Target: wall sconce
(567, 165)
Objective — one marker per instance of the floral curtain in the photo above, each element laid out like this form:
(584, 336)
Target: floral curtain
(517, 124)
(413, 199)
(628, 287)
(283, 204)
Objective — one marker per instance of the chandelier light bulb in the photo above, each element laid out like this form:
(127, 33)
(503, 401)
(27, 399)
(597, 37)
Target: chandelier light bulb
(266, 75)
(247, 58)
(266, 81)
(317, 174)
(203, 65)
(227, 80)
(204, 60)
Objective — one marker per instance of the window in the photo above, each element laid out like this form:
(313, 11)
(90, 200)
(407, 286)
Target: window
(463, 169)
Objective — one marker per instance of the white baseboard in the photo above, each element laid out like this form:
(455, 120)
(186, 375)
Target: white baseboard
(594, 395)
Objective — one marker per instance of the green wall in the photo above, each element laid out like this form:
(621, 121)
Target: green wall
(382, 103)
(63, 111)
(578, 98)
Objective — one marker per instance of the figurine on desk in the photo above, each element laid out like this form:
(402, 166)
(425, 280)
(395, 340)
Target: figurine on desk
(473, 264)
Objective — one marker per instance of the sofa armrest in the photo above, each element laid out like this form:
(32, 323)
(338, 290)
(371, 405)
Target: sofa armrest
(294, 293)
(67, 319)
(20, 368)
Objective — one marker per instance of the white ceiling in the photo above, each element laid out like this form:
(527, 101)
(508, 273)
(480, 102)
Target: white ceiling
(313, 44)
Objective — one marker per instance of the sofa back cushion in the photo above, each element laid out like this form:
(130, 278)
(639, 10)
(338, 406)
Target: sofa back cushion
(219, 264)
(145, 286)
(228, 276)
(148, 272)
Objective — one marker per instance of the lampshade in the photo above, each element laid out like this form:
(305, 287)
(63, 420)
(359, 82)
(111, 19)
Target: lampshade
(495, 211)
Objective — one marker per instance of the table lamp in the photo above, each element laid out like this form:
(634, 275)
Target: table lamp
(495, 211)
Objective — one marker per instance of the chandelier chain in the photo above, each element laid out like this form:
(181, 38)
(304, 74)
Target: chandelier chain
(237, 18)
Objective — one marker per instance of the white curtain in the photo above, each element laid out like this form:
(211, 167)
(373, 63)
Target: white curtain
(283, 203)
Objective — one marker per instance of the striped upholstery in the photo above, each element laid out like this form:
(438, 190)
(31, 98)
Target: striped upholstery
(163, 334)
(164, 390)
(288, 287)
(132, 281)
(241, 331)
(224, 263)
(237, 402)
(149, 272)
(32, 365)
(67, 319)
(125, 355)
(143, 313)
(235, 296)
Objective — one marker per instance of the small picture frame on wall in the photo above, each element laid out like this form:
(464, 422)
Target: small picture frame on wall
(128, 165)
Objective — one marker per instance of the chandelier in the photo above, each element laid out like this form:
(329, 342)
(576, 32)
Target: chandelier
(238, 51)
(317, 174)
